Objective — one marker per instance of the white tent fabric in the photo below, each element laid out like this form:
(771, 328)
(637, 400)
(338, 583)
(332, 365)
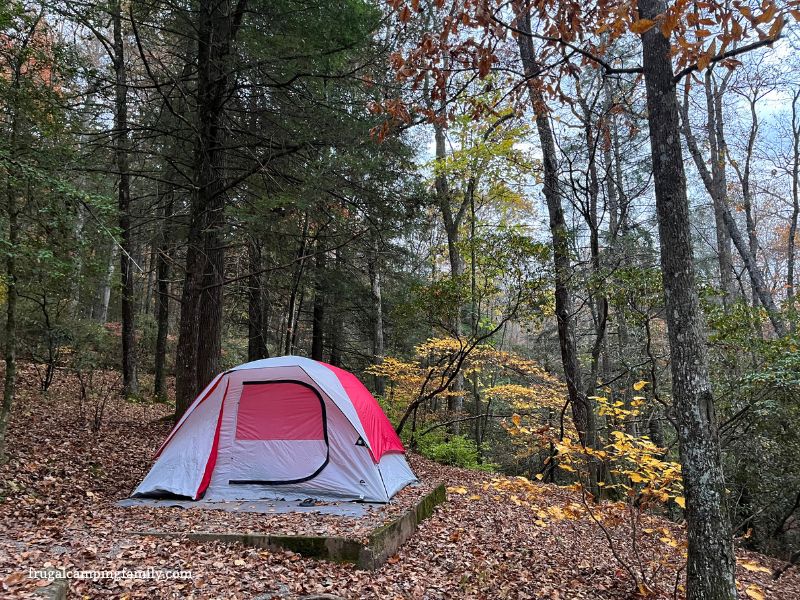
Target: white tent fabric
(280, 428)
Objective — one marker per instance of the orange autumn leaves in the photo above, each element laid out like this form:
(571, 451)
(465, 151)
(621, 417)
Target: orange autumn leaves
(474, 35)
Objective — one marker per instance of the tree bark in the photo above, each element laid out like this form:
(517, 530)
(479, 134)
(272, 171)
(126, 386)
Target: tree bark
(711, 562)
(130, 382)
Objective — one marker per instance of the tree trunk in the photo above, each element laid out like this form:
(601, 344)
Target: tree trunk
(130, 382)
(711, 561)
(75, 284)
(298, 278)
(199, 348)
(9, 384)
(374, 268)
(714, 182)
(162, 323)
(747, 195)
(335, 319)
(100, 311)
(151, 284)
(599, 299)
(256, 344)
(452, 223)
(716, 185)
(318, 316)
(584, 421)
(719, 182)
(756, 278)
(164, 258)
(616, 212)
(790, 249)
(296, 324)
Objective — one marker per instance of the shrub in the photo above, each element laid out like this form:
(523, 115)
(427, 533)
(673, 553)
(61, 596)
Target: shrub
(453, 450)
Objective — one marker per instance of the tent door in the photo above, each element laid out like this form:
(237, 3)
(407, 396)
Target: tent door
(281, 434)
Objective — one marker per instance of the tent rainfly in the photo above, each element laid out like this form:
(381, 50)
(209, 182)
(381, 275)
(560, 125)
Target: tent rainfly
(286, 427)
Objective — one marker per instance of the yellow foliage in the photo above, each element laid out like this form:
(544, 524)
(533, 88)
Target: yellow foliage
(635, 460)
(541, 398)
(549, 394)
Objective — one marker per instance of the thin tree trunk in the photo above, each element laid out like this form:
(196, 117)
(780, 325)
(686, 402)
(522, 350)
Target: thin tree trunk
(162, 323)
(616, 213)
(452, 223)
(716, 185)
(100, 313)
(296, 324)
(756, 278)
(335, 319)
(318, 317)
(711, 562)
(747, 195)
(600, 307)
(719, 194)
(790, 249)
(9, 384)
(298, 277)
(130, 382)
(374, 268)
(256, 344)
(150, 286)
(612, 165)
(558, 228)
(75, 285)
(164, 258)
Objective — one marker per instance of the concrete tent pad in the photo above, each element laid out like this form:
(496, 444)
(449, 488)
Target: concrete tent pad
(366, 539)
(342, 509)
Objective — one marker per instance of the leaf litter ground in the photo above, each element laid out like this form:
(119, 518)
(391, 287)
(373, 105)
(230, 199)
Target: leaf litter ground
(495, 537)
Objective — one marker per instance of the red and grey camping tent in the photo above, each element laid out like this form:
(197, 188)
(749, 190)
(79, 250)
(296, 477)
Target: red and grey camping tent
(286, 427)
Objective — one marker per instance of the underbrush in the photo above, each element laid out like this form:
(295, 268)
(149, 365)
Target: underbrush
(454, 450)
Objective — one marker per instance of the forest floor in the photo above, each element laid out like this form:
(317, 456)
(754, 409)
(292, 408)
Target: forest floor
(495, 537)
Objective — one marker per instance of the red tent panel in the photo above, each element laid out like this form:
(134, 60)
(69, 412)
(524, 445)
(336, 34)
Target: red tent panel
(279, 411)
(381, 435)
